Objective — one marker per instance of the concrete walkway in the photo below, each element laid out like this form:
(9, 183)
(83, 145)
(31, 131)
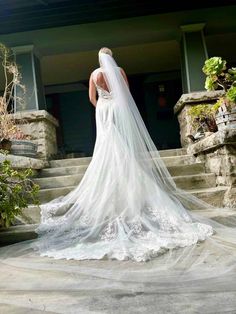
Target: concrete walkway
(108, 287)
(56, 291)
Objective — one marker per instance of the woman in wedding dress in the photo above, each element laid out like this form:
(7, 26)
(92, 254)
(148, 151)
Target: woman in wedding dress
(127, 206)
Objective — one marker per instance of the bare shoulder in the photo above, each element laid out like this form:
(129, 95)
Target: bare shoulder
(95, 73)
(97, 70)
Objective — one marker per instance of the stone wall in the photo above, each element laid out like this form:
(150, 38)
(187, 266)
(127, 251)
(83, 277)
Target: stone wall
(181, 108)
(218, 151)
(41, 126)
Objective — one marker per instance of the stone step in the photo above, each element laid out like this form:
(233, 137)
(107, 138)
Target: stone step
(62, 171)
(169, 161)
(212, 195)
(172, 152)
(212, 214)
(69, 162)
(163, 153)
(185, 181)
(26, 232)
(47, 195)
(16, 234)
(195, 168)
(174, 170)
(204, 180)
(31, 214)
(61, 181)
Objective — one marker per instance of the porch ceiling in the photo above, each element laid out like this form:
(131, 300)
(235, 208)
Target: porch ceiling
(74, 67)
(25, 15)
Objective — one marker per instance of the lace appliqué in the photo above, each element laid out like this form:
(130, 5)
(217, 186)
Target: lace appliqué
(165, 222)
(110, 232)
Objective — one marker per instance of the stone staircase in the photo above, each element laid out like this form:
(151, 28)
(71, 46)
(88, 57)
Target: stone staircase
(63, 175)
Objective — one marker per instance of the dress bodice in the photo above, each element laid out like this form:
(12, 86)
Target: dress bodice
(103, 93)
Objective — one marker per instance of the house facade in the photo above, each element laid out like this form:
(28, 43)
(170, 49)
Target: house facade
(161, 46)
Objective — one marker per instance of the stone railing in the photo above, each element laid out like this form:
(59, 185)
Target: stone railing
(218, 151)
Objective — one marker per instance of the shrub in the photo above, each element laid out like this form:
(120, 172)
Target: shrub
(17, 190)
(204, 114)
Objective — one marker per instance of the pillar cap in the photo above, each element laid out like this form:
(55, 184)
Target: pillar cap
(26, 48)
(192, 27)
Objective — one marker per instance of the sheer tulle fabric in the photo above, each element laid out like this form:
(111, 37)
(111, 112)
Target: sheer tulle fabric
(127, 207)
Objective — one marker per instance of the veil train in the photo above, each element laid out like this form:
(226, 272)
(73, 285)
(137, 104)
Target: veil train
(128, 208)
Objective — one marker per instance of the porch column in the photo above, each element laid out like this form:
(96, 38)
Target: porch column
(29, 65)
(193, 55)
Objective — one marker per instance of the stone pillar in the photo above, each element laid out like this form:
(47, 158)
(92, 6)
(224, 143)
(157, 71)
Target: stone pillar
(41, 126)
(193, 56)
(29, 65)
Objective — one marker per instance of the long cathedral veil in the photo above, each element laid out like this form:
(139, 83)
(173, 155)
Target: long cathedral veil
(117, 221)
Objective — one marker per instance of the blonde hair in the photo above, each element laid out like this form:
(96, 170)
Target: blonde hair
(105, 50)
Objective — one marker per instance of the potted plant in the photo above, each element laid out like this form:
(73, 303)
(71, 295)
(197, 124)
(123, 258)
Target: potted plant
(12, 139)
(219, 76)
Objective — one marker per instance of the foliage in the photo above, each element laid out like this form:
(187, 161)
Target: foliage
(17, 190)
(214, 66)
(12, 77)
(200, 111)
(219, 76)
(231, 94)
(217, 105)
(204, 114)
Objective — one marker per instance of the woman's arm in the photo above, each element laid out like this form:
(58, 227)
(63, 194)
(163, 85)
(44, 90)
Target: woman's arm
(124, 76)
(92, 91)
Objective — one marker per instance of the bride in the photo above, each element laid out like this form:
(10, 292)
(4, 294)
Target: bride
(127, 206)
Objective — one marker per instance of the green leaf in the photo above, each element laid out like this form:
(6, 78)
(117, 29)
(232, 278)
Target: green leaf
(210, 83)
(231, 94)
(214, 66)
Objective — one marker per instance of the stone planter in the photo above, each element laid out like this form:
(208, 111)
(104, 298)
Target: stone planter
(182, 107)
(24, 148)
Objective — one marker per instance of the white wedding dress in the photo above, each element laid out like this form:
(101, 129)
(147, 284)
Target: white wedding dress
(127, 205)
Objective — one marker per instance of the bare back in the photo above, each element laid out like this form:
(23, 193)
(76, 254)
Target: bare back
(99, 80)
